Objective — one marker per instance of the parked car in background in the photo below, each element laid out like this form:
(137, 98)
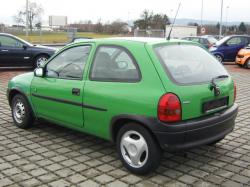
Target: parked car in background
(206, 41)
(243, 57)
(227, 48)
(144, 94)
(16, 52)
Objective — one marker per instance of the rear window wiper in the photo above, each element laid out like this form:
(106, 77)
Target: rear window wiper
(214, 86)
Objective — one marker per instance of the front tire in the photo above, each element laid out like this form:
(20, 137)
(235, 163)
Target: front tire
(21, 112)
(137, 149)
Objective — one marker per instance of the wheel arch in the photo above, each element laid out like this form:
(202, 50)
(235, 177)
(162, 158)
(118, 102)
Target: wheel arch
(119, 121)
(14, 91)
(221, 54)
(245, 63)
(40, 54)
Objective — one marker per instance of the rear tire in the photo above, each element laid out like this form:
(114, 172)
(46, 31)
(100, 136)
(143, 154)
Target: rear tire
(21, 112)
(137, 149)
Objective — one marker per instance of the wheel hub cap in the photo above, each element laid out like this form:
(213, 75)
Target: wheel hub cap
(19, 112)
(134, 149)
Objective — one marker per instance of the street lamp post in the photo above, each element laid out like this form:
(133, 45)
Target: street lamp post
(227, 18)
(27, 4)
(201, 13)
(221, 13)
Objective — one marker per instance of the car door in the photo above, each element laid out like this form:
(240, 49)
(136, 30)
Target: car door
(58, 96)
(233, 46)
(114, 78)
(12, 52)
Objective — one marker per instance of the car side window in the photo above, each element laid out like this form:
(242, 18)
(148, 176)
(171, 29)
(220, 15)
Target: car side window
(204, 41)
(7, 41)
(195, 40)
(234, 41)
(113, 63)
(244, 41)
(69, 64)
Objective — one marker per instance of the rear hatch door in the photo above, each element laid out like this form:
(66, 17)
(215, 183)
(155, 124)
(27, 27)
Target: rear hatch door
(187, 70)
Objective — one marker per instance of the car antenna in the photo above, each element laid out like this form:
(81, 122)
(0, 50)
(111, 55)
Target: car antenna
(169, 34)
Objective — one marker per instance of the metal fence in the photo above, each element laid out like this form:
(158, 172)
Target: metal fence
(149, 33)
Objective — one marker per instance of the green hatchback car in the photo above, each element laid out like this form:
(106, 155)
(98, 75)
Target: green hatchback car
(144, 94)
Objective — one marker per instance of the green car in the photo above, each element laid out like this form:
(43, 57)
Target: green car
(144, 94)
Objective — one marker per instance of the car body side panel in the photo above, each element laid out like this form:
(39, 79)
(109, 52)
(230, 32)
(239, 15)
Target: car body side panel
(140, 98)
(22, 84)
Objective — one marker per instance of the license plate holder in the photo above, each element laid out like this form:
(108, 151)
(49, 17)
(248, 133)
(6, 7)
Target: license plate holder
(216, 104)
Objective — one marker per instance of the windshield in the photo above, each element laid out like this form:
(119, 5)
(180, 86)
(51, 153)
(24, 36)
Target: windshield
(212, 40)
(222, 40)
(189, 64)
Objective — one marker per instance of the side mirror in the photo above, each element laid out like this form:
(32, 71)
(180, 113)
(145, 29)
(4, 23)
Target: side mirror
(39, 72)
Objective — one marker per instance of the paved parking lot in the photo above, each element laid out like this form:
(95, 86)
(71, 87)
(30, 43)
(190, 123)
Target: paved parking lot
(49, 155)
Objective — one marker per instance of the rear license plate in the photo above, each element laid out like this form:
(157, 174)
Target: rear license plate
(210, 106)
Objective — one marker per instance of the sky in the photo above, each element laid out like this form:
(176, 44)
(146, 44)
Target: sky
(110, 10)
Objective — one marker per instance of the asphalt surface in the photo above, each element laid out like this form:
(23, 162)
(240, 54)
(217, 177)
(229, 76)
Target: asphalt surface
(50, 155)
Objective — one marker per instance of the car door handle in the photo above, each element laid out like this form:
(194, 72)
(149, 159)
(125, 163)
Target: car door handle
(4, 50)
(76, 91)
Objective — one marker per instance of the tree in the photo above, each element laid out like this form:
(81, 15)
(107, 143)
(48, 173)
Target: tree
(35, 12)
(218, 26)
(99, 26)
(193, 24)
(159, 21)
(150, 20)
(144, 21)
(242, 27)
(116, 27)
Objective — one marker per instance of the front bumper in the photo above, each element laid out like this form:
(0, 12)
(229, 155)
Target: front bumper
(197, 132)
(240, 61)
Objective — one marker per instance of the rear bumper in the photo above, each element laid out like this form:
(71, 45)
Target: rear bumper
(197, 132)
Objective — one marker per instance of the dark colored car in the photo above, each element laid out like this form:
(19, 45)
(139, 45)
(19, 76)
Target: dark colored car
(15, 52)
(227, 48)
(206, 41)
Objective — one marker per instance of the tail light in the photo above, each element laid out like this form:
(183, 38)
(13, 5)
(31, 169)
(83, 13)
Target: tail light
(169, 108)
(235, 91)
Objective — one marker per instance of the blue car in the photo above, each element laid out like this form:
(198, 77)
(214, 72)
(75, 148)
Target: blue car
(227, 48)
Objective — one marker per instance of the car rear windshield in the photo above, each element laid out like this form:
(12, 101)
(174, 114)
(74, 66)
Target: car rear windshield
(189, 64)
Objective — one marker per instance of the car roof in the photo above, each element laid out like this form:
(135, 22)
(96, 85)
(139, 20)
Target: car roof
(138, 40)
(6, 34)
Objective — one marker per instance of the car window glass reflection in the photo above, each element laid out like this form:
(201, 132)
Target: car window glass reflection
(10, 42)
(69, 64)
